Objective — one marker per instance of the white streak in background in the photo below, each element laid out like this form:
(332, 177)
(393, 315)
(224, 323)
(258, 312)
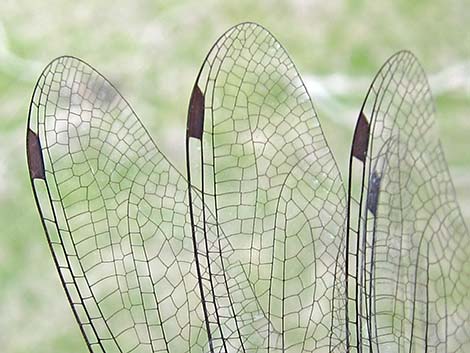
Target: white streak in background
(453, 78)
(326, 91)
(3, 173)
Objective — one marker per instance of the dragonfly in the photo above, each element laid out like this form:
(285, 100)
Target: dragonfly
(260, 245)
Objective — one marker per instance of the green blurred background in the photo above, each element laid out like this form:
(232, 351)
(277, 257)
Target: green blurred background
(152, 51)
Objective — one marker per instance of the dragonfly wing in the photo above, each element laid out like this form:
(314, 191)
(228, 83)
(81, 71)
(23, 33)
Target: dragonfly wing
(257, 156)
(116, 216)
(412, 244)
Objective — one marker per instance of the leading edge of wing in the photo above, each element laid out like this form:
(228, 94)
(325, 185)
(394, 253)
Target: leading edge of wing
(407, 212)
(115, 212)
(256, 152)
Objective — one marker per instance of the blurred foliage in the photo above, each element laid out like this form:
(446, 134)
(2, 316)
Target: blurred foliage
(152, 51)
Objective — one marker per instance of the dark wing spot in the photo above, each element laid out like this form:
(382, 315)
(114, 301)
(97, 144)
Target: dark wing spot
(196, 114)
(361, 138)
(373, 193)
(35, 161)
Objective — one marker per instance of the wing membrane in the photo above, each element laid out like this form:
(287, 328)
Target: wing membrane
(258, 156)
(116, 215)
(412, 246)
(247, 254)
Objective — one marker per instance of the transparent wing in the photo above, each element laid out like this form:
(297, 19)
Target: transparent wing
(410, 247)
(258, 158)
(116, 216)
